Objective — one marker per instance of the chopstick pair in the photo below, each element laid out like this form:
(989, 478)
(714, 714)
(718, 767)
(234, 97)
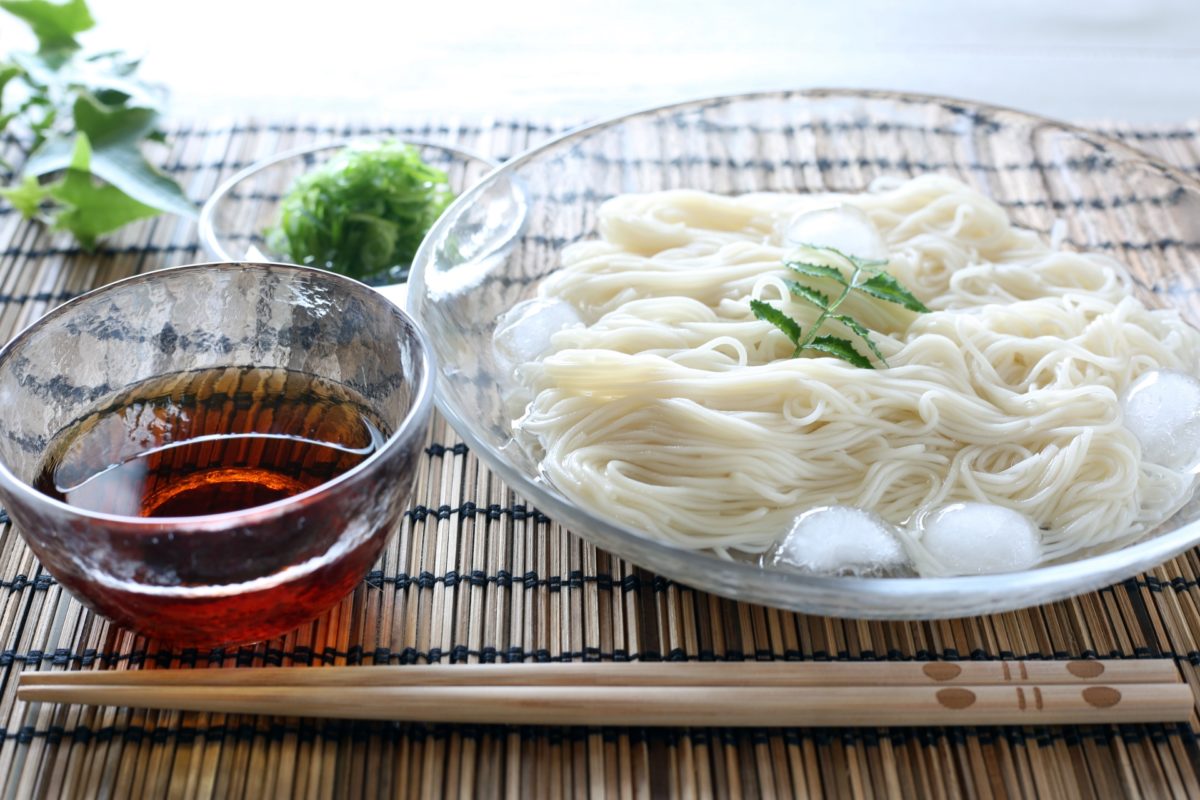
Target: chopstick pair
(770, 694)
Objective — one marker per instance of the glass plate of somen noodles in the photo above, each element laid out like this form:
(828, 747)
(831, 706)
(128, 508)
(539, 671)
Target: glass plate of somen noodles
(847, 352)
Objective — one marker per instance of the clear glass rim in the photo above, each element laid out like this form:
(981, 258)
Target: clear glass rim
(419, 409)
(205, 225)
(1060, 579)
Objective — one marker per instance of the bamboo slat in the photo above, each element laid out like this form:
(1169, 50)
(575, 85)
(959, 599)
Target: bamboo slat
(475, 575)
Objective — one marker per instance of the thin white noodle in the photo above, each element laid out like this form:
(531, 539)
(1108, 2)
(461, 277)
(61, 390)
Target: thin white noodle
(678, 412)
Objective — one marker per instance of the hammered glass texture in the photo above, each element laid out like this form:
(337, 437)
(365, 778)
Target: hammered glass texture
(193, 318)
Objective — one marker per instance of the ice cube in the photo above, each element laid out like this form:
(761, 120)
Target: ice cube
(844, 228)
(839, 540)
(981, 539)
(1162, 409)
(523, 333)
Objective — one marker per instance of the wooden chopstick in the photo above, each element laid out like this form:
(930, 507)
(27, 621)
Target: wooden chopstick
(744, 673)
(649, 706)
(755, 694)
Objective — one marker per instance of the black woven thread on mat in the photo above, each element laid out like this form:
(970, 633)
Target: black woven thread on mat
(38, 297)
(394, 732)
(441, 450)
(461, 654)
(469, 509)
(862, 125)
(424, 131)
(376, 579)
(575, 579)
(1087, 164)
(100, 252)
(594, 197)
(360, 732)
(559, 242)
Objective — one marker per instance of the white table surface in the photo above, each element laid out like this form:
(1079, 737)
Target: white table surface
(1084, 60)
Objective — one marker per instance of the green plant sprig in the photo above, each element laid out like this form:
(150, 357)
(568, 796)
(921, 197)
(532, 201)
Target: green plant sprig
(78, 121)
(866, 275)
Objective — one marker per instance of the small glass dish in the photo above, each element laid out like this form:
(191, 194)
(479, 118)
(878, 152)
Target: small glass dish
(234, 218)
(1091, 192)
(232, 341)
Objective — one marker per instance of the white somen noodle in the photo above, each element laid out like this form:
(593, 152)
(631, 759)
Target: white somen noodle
(676, 411)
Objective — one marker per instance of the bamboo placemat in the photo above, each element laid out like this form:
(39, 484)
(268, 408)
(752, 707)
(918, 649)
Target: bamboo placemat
(475, 574)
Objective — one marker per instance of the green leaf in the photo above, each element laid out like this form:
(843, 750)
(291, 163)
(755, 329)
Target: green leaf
(818, 299)
(54, 24)
(885, 287)
(90, 209)
(112, 124)
(769, 313)
(62, 75)
(127, 170)
(850, 258)
(863, 333)
(115, 134)
(27, 196)
(93, 175)
(7, 73)
(81, 154)
(867, 264)
(110, 82)
(41, 69)
(51, 156)
(40, 126)
(879, 284)
(119, 63)
(816, 270)
(840, 348)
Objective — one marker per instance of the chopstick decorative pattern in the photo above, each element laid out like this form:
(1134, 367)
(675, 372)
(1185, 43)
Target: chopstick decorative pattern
(785, 694)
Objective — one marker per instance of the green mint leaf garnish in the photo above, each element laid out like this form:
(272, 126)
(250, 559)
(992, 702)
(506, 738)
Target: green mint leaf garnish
(863, 333)
(840, 348)
(866, 275)
(816, 270)
(885, 287)
(771, 314)
(818, 299)
(864, 264)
